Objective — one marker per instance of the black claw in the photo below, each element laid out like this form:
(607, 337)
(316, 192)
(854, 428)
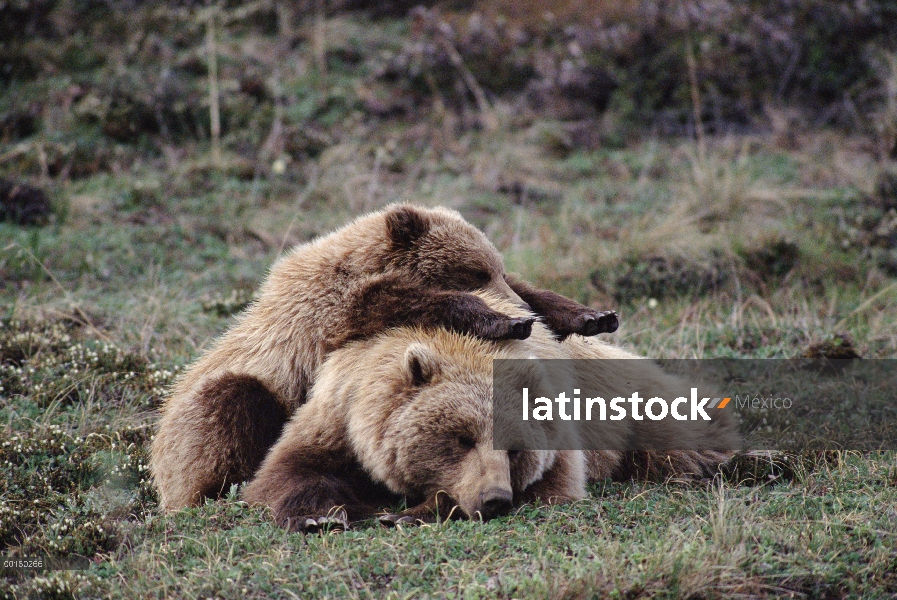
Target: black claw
(521, 328)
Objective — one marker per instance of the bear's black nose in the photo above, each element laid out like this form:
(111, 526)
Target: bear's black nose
(495, 502)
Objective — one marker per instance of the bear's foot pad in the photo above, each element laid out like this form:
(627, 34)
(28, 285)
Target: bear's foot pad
(501, 328)
(599, 322)
(521, 328)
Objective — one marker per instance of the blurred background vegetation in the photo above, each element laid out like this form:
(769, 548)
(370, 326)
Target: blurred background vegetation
(618, 151)
(265, 114)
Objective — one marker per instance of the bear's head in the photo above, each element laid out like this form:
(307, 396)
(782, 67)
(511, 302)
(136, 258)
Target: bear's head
(422, 423)
(437, 246)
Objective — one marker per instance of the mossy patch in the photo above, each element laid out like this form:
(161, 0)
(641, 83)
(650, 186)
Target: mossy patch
(838, 347)
(658, 277)
(23, 204)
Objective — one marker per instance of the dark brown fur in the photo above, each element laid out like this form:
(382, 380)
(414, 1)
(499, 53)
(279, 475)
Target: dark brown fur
(234, 407)
(561, 315)
(391, 302)
(317, 489)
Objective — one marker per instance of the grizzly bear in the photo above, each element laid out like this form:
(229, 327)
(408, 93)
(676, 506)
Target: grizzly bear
(401, 266)
(408, 415)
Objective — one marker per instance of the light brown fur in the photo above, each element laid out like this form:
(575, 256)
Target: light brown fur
(409, 413)
(405, 414)
(400, 266)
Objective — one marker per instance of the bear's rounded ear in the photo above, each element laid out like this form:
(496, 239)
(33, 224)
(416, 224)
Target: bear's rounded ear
(405, 225)
(421, 364)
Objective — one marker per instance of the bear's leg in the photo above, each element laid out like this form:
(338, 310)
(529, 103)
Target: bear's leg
(602, 464)
(321, 500)
(564, 482)
(714, 442)
(310, 489)
(562, 315)
(681, 464)
(389, 302)
(215, 438)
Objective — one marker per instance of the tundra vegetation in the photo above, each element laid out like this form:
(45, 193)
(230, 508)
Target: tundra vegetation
(723, 174)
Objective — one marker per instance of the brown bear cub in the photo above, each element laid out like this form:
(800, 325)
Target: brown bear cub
(408, 415)
(401, 266)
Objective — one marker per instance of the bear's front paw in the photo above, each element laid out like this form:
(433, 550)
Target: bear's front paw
(438, 508)
(395, 520)
(521, 328)
(593, 323)
(314, 524)
(419, 515)
(508, 329)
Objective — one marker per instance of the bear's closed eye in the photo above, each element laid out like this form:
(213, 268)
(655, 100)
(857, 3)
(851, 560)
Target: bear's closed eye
(482, 277)
(466, 442)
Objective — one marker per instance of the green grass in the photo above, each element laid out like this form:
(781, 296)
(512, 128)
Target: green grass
(625, 541)
(102, 309)
(152, 248)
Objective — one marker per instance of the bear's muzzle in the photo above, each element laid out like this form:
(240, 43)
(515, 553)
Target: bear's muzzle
(494, 502)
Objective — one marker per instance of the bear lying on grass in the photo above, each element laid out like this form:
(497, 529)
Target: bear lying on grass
(398, 267)
(409, 414)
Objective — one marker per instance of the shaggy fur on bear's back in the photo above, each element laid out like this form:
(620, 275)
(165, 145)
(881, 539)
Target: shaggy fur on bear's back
(401, 266)
(309, 303)
(409, 413)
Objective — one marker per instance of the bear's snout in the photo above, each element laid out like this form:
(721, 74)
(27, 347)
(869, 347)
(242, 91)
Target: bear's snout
(494, 502)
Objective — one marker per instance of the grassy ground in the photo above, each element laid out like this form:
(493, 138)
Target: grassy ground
(749, 246)
(103, 308)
